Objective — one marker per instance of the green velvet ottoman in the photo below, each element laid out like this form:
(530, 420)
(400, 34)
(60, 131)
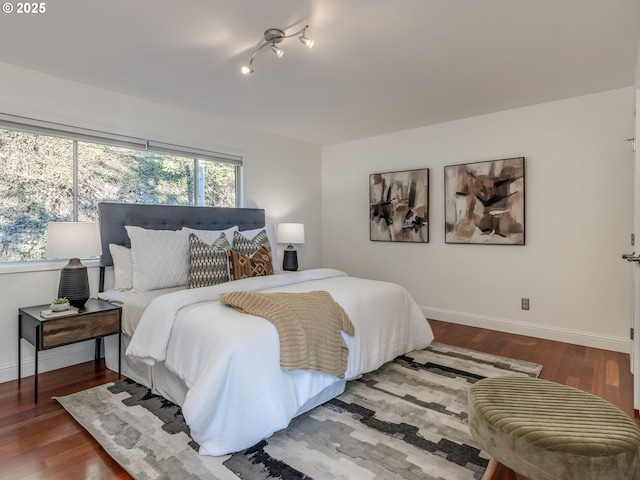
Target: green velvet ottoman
(547, 431)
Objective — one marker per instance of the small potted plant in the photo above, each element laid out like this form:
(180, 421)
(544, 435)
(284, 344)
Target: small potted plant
(59, 304)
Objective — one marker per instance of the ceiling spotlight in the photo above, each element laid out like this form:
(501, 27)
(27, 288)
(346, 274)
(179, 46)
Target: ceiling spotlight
(307, 42)
(272, 37)
(276, 50)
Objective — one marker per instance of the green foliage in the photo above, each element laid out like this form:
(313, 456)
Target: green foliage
(220, 184)
(37, 185)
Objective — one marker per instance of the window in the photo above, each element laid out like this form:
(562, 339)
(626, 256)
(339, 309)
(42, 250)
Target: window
(49, 174)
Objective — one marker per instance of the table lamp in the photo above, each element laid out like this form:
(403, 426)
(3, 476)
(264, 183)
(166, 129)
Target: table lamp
(73, 240)
(290, 233)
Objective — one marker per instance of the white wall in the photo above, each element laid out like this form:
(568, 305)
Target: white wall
(578, 220)
(280, 175)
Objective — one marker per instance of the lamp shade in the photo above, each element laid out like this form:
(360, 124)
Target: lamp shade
(290, 233)
(73, 240)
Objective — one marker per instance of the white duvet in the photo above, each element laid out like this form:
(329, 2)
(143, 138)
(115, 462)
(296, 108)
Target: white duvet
(230, 361)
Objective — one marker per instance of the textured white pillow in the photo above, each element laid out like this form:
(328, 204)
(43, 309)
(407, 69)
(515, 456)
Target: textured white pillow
(160, 258)
(210, 236)
(271, 235)
(122, 267)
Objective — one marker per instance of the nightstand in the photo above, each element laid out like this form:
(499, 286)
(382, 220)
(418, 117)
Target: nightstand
(95, 320)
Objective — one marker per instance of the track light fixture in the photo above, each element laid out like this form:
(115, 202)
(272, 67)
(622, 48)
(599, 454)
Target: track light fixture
(272, 37)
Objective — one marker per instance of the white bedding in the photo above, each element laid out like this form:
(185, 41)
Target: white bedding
(230, 361)
(134, 304)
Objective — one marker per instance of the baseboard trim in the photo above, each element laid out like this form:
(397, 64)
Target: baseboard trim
(605, 342)
(48, 360)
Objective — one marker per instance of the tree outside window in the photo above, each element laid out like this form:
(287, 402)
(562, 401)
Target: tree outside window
(48, 179)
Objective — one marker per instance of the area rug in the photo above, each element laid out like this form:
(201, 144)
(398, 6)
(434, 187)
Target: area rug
(406, 420)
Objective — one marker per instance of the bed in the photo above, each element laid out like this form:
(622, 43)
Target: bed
(222, 366)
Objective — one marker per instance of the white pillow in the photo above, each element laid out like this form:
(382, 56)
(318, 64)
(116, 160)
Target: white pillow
(122, 267)
(210, 236)
(271, 235)
(160, 258)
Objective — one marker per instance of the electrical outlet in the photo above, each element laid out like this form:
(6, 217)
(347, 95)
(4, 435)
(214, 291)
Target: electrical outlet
(524, 303)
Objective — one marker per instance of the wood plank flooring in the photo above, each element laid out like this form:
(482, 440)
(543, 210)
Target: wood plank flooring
(43, 442)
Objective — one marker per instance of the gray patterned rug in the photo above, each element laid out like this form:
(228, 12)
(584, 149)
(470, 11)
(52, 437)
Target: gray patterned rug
(406, 420)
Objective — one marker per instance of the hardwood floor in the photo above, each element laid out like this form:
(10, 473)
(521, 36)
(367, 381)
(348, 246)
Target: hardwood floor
(601, 372)
(43, 442)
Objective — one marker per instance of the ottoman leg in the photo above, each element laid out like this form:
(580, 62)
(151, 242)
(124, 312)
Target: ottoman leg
(490, 472)
(496, 471)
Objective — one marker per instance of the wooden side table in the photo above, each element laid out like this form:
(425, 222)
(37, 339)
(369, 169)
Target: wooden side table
(96, 320)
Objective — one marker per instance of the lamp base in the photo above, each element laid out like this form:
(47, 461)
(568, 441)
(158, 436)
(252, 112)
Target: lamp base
(74, 283)
(290, 262)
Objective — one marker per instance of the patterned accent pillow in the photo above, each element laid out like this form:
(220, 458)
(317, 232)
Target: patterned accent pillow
(271, 235)
(208, 264)
(244, 266)
(247, 246)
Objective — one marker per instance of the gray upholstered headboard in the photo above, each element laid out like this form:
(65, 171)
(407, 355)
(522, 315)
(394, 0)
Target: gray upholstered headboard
(115, 216)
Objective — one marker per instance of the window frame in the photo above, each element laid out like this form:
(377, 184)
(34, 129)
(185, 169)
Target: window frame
(78, 134)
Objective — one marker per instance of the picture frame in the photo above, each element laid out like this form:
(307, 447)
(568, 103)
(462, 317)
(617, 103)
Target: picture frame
(485, 202)
(399, 206)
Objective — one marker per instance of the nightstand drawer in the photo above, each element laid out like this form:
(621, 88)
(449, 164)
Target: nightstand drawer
(61, 331)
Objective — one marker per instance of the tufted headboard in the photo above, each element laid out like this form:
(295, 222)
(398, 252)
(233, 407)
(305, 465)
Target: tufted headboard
(115, 216)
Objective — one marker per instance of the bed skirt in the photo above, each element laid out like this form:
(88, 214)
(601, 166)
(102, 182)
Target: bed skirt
(157, 377)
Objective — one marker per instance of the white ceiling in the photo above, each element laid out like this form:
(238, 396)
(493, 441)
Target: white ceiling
(378, 66)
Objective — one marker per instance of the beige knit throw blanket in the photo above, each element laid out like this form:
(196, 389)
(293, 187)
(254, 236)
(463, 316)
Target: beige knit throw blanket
(308, 324)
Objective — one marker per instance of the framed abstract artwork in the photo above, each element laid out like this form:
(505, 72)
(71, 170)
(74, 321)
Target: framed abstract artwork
(484, 202)
(399, 206)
